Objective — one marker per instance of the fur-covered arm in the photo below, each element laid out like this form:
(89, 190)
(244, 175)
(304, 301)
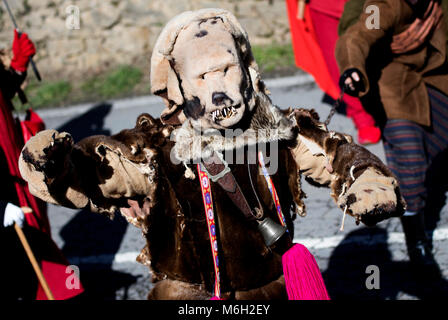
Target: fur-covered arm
(360, 183)
(45, 163)
(98, 173)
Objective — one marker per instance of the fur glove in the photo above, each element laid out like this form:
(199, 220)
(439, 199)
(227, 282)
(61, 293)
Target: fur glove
(361, 184)
(99, 172)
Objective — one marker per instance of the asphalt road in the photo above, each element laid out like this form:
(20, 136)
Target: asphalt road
(105, 250)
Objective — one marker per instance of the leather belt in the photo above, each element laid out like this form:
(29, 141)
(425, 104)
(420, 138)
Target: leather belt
(219, 171)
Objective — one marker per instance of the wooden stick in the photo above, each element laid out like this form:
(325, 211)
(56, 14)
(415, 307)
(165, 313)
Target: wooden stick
(33, 261)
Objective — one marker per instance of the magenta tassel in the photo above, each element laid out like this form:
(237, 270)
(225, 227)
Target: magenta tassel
(302, 275)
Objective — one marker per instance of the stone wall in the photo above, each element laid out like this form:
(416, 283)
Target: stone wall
(121, 32)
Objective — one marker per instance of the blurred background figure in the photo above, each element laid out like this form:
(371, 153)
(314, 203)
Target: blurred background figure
(314, 32)
(17, 278)
(406, 56)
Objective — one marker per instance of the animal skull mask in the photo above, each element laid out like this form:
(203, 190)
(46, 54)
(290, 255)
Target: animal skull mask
(203, 68)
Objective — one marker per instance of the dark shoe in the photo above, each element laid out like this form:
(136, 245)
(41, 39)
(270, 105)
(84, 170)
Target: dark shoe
(422, 260)
(418, 245)
(420, 254)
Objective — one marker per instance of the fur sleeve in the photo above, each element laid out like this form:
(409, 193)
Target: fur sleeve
(309, 151)
(98, 173)
(332, 158)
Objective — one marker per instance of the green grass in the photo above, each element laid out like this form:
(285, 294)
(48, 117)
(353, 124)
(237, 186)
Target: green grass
(273, 57)
(117, 83)
(41, 95)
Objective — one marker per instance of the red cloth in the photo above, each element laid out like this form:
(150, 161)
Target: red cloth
(308, 55)
(314, 41)
(23, 49)
(31, 125)
(53, 263)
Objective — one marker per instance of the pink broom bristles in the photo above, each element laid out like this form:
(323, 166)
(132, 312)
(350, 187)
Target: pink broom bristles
(302, 275)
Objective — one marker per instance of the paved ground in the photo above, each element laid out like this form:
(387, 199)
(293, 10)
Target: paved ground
(105, 250)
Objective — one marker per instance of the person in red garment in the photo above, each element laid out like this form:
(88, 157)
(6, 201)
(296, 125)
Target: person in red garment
(16, 275)
(314, 34)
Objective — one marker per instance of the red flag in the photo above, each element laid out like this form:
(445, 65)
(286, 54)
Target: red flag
(308, 54)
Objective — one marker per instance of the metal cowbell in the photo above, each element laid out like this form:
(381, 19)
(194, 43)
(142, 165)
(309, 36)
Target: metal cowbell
(270, 231)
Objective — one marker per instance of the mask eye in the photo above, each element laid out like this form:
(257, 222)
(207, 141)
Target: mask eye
(202, 76)
(226, 69)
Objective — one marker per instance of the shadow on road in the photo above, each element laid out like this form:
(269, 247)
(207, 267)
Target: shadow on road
(92, 235)
(346, 274)
(437, 184)
(89, 123)
(88, 234)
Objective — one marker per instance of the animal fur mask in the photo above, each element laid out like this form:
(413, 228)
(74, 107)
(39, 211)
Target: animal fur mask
(202, 66)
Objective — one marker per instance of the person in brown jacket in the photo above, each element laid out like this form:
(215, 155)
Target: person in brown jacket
(397, 49)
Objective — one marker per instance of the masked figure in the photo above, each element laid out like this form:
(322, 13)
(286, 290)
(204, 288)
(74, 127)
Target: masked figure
(220, 146)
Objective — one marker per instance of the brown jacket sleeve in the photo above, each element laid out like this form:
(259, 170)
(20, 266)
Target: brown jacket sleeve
(352, 48)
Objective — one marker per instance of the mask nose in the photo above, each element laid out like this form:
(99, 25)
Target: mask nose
(218, 98)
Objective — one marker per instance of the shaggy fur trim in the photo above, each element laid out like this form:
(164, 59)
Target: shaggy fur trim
(267, 124)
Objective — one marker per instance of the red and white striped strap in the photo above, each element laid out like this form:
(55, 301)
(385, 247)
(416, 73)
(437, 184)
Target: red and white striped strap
(209, 214)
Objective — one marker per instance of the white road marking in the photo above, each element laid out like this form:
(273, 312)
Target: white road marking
(311, 243)
(134, 102)
(292, 81)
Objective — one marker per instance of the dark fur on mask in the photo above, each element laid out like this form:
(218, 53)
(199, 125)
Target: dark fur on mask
(193, 108)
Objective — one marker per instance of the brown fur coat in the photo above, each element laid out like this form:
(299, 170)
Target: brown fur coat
(104, 173)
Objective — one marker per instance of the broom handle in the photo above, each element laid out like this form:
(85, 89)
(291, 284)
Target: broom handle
(33, 261)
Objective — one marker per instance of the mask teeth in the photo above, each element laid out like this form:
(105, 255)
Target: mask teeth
(225, 113)
(229, 111)
(214, 115)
